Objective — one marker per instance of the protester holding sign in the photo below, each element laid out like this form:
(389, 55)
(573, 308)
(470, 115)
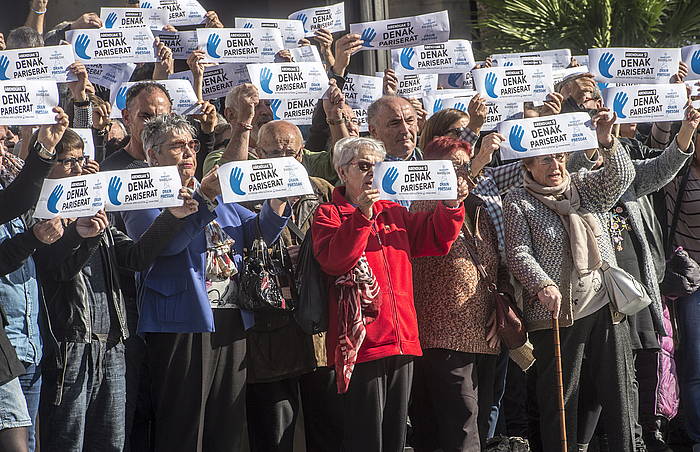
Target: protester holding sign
(372, 335)
(556, 252)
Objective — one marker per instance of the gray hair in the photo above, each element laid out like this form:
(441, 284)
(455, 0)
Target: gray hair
(24, 38)
(347, 149)
(376, 106)
(155, 130)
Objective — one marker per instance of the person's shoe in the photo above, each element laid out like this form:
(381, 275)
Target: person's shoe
(654, 441)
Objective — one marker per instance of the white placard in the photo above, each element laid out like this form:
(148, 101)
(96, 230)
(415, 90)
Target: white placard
(28, 102)
(559, 59)
(361, 116)
(181, 92)
(292, 30)
(517, 83)
(88, 142)
(415, 85)
(180, 12)
(100, 46)
(142, 188)
(581, 59)
(182, 43)
(305, 54)
(501, 111)
(110, 75)
(403, 32)
(646, 103)
(447, 98)
(289, 80)
(456, 80)
(448, 57)
(559, 75)
(530, 137)
(71, 197)
(296, 111)
(428, 179)
(38, 63)
(361, 90)
(634, 65)
(250, 180)
(691, 56)
(154, 19)
(331, 18)
(240, 45)
(218, 80)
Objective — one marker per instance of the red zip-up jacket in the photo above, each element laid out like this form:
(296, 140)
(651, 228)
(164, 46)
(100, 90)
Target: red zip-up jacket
(341, 234)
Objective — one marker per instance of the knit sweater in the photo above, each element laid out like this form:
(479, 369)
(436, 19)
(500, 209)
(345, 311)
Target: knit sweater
(537, 245)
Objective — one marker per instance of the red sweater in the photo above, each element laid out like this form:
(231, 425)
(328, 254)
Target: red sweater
(389, 240)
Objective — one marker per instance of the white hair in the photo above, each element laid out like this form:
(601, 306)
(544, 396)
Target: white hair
(347, 149)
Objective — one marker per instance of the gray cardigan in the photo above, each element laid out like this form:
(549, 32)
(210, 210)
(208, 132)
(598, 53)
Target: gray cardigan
(651, 175)
(537, 245)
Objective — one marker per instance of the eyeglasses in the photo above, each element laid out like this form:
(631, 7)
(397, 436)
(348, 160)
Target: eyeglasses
(69, 162)
(362, 165)
(457, 131)
(281, 153)
(548, 159)
(180, 147)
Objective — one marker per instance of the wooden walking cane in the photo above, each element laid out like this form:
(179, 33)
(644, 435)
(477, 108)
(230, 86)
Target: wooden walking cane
(560, 383)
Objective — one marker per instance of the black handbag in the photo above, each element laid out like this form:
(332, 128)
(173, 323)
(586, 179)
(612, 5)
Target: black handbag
(266, 283)
(682, 276)
(312, 307)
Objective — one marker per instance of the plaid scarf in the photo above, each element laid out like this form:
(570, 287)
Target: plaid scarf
(10, 166)
(358, 306)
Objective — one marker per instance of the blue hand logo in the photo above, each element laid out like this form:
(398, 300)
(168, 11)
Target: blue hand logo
(81, 45)
(368, 34)
(146, 5)
(619, 104)
(111, 19)
(695, 62)
(490, 84)
(406, 57)
(453, 79)
(275, 105)
(606, 61)
(115, 184)
(121, 98)
(437, 106)
(54, 198)
(388, 180)
(4, 64)
(516, 137)
(507, 63)
(265, 78)
(248, 25)
(212, 44)
(303, 18)
(603, 85)
(460, 106)
(235, 180)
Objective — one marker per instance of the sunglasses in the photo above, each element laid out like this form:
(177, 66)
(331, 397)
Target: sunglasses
(362, 166)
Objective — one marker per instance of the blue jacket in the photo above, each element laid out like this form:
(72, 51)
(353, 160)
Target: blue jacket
(173, 297)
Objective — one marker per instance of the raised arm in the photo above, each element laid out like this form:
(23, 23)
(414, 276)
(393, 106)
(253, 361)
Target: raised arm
(339, 242)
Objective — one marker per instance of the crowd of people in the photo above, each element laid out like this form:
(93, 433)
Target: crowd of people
(124, 331)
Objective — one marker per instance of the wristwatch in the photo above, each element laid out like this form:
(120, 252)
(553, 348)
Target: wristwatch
(44, 153)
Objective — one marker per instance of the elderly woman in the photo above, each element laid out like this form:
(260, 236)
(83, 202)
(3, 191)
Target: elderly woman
(454, 380)
(365, 245)
(555, 248)
(196, 344)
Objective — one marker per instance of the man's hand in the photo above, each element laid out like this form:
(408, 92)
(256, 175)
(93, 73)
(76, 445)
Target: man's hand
(166, 63)
(39, 5)
(189, 206)
(345, 47)
(603, 123)
(50, 134)
(490, 144)
(477, 113)
(421, 114)
(210, 187)
(169, 27)
(195, 63)
(581, 88)
(324, 41)
(48, 231)
(391, 82)
(550, 297)
(92, 226)
(552, 106)
(284, 56)
(100, 116)
(335, 101)
(79, 87)
(462, 193)
(87, 20)
(247, 98)
(212, 20)
(91, 167)
(208, 118)
(682, 73)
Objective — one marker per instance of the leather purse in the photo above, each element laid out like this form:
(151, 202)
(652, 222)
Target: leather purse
(626, 293)
(509, 317)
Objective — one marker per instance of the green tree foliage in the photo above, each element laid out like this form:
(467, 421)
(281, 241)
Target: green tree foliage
(525, 25)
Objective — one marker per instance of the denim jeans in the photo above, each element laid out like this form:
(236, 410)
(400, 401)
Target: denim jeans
(31, 388)
(92, 411)
(688, 314)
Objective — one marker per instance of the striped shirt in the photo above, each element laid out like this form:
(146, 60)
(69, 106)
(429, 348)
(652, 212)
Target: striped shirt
(688, 229)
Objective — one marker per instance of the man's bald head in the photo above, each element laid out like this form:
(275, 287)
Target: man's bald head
(280, 139)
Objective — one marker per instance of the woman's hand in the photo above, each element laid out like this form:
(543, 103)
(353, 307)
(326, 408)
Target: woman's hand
(603, 122)
(210, 187)
(462, 193)
(688, 127)
(477, 113)
(48, 231)
(49, 135)
(92, 226)
(550, 297)
(366, 201)
(189, 206)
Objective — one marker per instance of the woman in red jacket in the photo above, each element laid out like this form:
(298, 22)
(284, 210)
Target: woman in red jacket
(366, 246)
